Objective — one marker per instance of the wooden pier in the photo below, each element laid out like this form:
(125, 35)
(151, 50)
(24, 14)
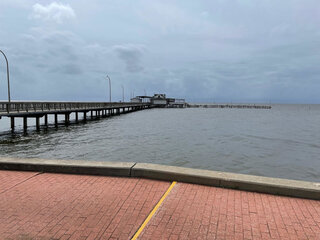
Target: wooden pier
(40, 110)
(254, 106)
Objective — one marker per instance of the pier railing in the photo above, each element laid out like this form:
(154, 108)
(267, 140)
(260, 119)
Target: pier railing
(6, 107)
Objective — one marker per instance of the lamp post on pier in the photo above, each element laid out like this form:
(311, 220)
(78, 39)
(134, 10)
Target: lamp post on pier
(109, 88)
(9, 99)
(122, 93)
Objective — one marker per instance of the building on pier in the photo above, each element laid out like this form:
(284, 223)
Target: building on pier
(160, 100)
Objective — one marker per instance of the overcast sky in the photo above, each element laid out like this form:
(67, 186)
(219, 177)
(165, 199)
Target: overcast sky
(218, 50)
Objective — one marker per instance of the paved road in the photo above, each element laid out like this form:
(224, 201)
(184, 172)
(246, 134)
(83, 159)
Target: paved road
(62, 206)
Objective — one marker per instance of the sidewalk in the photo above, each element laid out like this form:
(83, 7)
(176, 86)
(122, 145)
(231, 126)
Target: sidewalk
(64, 206)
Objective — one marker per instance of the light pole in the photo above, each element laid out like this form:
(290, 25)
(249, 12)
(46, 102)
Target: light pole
(109, 88)
(122, 93)
(9, 99)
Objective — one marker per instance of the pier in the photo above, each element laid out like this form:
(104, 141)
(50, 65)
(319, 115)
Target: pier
(252, 106)
(39, 110)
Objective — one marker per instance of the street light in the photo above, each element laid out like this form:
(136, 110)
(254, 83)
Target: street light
(122, 93)
(9, 99)
(109, 88)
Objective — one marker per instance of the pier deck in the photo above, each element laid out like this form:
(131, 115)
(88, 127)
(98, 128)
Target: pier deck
(38, 110)
(63, 206)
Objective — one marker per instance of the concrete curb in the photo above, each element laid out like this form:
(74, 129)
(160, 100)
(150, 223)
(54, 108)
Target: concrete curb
(122, 169)
(276, 186)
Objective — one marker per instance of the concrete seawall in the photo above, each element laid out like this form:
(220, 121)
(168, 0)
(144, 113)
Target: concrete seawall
(276, 186)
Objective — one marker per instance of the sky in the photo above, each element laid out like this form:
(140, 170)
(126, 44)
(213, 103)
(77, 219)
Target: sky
(205, 51)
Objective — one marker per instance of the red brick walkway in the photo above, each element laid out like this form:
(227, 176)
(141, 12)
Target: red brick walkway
(60, 206)
(200, 212)
(9, 179)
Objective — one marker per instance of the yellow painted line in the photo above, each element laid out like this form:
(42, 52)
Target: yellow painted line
(144, 224)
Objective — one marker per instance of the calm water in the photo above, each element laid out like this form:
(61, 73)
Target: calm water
(281, 142)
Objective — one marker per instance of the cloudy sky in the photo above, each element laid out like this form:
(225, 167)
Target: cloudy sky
(219, 50)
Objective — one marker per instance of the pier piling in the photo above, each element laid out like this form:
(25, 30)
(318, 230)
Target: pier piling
(67, 119)
(25, 124)
(46, 120)
(56, 120)
(38, 123)
(84, 116)
(12, 124)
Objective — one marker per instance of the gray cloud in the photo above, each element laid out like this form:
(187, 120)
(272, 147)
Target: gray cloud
(70, 68)
(131, 55)
(222, 50)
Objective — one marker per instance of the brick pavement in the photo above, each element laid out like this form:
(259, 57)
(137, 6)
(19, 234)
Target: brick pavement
(9, 179)
(62, 206)
(201, 212)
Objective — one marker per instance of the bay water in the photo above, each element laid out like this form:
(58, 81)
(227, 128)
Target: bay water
(280, 142)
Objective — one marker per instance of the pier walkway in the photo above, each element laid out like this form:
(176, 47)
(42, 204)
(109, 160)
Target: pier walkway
(38, 110)
(38, 205)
